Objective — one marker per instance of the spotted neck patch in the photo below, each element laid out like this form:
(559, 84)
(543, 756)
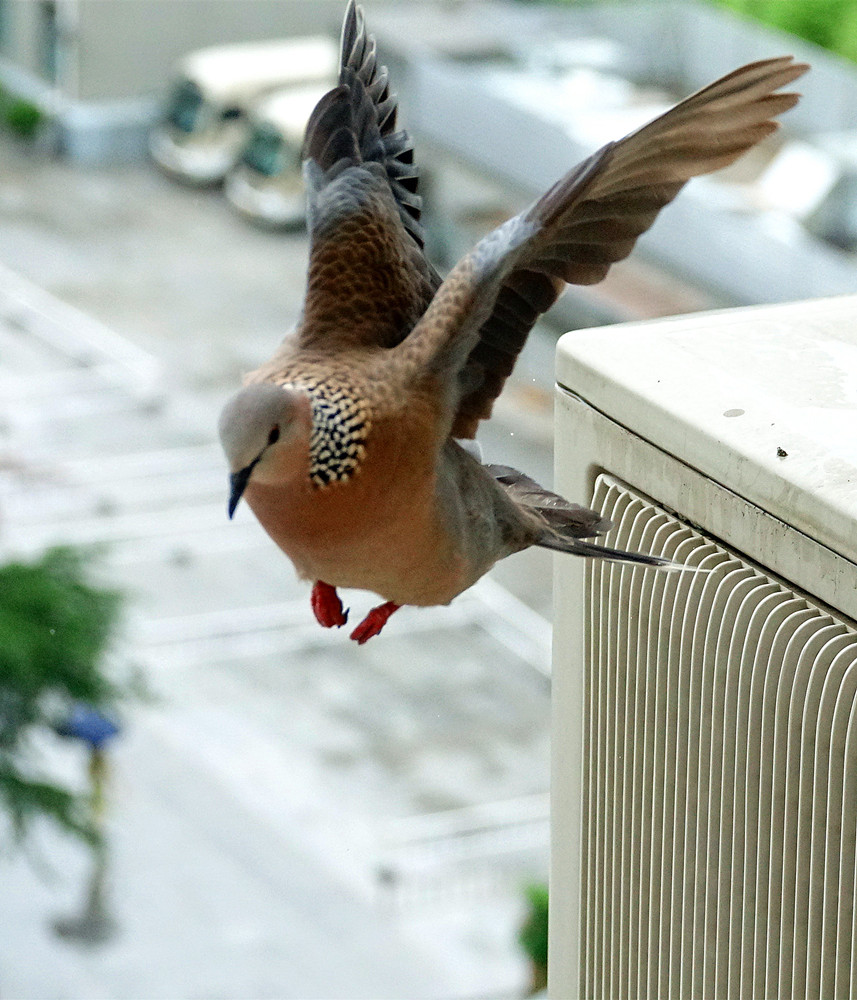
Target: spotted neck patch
(340, 427)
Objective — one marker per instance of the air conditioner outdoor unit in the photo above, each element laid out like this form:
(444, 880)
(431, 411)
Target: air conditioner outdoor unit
(704, 791)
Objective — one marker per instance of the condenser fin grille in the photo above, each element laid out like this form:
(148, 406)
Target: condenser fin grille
(720, 791)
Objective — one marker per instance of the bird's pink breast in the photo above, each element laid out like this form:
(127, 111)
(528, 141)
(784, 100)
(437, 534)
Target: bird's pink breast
(343, 537)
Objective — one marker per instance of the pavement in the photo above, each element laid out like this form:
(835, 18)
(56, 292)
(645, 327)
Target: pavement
(291, 816)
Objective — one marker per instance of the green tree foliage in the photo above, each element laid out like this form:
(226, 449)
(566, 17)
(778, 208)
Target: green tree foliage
(23, 118)
(829, 23)
(533, 935)
(18, 115)
(55, 626)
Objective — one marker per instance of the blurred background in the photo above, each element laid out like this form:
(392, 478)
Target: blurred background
(202, 793)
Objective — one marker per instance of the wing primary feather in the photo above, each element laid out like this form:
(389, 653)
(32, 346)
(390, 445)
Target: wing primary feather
(369, 280)
(592, 217)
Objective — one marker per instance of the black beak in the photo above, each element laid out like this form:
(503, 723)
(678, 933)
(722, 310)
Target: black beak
(237, 484)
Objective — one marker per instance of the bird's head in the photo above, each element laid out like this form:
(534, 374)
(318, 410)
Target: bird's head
(265, 431)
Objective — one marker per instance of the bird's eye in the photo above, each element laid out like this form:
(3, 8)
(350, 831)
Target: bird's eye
(274, 436)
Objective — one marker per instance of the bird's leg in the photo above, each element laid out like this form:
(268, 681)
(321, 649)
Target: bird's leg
(326, 605)
(374, 622)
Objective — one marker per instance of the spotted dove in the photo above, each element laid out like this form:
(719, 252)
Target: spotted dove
(346, 443)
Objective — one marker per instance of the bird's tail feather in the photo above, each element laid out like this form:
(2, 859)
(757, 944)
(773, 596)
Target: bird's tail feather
(568, 524)
(591, 550)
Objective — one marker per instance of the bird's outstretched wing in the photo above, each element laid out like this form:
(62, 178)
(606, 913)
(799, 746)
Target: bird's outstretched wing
(368, 278)
(479, 319)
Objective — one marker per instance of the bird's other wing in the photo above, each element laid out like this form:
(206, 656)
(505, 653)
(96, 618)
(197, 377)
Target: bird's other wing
(368, 279)
(591, 218)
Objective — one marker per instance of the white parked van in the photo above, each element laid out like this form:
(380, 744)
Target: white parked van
(206, 116)
(265, 184)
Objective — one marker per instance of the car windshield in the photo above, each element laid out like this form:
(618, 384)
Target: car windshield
(268, 153)
(184, 106)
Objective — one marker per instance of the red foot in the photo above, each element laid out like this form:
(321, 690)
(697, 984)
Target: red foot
(326, 606)
(374, 622)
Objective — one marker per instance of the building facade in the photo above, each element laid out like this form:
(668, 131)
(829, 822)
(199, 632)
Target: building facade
(98, 67)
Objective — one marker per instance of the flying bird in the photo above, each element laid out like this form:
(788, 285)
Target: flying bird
(354, 444)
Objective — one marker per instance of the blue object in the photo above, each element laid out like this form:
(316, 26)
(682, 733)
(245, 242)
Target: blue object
(86, 724)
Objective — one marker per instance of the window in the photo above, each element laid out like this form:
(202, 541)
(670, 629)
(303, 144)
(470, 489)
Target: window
(185, 106)
(267, 153)
(49, 40)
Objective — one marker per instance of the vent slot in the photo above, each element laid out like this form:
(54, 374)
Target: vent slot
(720, 787)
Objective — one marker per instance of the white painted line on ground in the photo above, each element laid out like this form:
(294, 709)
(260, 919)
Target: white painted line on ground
(71, 332)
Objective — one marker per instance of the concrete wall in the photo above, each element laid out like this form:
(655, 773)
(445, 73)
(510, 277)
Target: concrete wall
(114, 50)
(114, 58)
(19, 37)
(126, 49)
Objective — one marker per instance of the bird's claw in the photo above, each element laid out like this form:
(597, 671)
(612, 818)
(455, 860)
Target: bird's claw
(327, 607)
(374, 622)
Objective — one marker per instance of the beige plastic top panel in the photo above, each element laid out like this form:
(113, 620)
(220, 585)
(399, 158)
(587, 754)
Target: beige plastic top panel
(763, 400)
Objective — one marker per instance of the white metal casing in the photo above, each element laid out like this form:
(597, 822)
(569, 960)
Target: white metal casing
(727, 440)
